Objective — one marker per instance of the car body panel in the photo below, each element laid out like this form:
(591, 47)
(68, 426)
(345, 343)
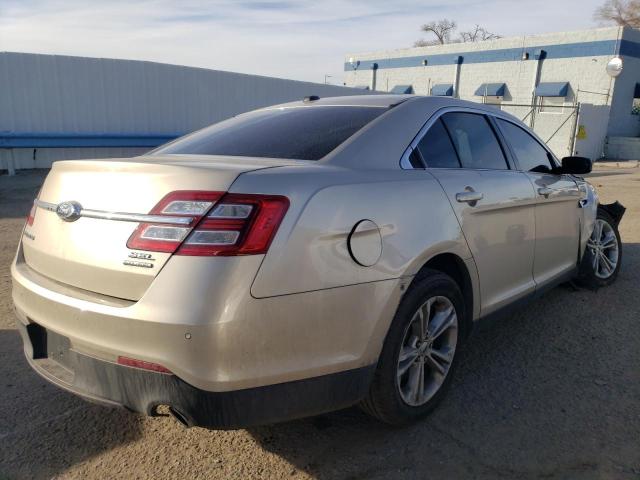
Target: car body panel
(399, 203)
(557, 225)
(380, 144)
(499, 228)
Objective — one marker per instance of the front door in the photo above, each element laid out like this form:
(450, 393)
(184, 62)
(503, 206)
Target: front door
(557, 226)
(557, 205)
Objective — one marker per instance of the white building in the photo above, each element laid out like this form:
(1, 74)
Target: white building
(557, 83)
(59, 107)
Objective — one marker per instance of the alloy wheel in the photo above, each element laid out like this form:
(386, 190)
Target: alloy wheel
(604, 247)
(427, 351)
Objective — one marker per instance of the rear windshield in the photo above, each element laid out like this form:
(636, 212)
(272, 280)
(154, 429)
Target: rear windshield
(303, 133)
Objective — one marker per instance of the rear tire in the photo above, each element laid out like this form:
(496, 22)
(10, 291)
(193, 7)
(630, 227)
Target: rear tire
(420, 352)
(603, 254)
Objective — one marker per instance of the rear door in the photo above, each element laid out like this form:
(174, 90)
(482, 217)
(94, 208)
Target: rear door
(557, 208)
(494, 204)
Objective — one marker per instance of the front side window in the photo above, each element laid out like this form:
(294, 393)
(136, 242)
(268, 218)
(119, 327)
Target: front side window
(298, 133)
(531, 156)
(436, 148)
(474, 141)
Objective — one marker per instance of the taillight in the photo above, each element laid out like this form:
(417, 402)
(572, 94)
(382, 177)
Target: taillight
(213, 224)
(183, 210)
(32, 214)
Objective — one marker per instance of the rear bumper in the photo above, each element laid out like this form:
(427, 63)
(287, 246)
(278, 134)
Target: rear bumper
(214, 335)
(143, 391)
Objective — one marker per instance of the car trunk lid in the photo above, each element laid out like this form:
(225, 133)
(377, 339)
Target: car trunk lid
(91, 253)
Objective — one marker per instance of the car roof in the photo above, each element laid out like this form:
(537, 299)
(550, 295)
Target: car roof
(371, 100)
(386, 101)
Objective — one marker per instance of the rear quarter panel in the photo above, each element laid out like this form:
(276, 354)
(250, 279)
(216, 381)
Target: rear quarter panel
(310, 251)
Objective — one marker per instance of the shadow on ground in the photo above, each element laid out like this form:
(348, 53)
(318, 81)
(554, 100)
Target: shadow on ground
(48, 424)
(551, 391)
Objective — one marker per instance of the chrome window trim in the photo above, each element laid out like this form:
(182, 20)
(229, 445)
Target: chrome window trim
(405, 164)
(120, 216)
(405, 161)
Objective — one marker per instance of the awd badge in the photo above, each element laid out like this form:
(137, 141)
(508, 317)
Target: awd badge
(138, 260)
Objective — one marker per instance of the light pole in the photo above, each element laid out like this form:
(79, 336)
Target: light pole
(326, 77)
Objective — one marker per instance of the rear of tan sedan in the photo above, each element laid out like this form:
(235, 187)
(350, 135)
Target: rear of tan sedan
(144, 282)
(104, 317)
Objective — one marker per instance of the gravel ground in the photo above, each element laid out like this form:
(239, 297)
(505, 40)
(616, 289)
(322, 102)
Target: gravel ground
(551, 392)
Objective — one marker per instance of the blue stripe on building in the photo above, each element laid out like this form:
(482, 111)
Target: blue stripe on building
(86, 140)
(567, 50)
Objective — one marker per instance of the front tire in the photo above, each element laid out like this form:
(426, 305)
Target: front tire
(419, 354)
(603, 254)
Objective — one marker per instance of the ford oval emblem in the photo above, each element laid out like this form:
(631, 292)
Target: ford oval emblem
(69, 211)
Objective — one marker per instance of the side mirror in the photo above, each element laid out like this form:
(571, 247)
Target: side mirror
(576, 165)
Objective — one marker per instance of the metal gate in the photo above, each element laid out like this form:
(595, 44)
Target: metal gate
(557, 125)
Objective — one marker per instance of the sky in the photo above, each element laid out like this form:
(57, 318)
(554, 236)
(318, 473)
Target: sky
(297, 39)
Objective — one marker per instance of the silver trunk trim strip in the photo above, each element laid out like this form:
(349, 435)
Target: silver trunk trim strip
(120, 216)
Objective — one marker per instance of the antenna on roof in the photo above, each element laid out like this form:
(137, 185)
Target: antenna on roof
(311, 98)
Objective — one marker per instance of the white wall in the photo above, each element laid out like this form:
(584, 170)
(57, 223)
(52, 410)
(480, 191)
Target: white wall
(590, 85)
(622, 123)
(623, 148)
(76, 95)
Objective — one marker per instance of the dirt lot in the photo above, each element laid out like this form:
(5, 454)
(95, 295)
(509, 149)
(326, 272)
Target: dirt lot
(552, 392)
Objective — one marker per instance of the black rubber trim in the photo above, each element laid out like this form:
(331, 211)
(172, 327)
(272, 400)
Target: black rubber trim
(142, 391)
(615, 210)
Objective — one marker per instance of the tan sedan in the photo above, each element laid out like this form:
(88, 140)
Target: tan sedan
(300, 258)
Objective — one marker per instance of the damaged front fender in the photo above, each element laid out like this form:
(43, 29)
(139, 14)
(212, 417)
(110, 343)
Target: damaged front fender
(615, 210)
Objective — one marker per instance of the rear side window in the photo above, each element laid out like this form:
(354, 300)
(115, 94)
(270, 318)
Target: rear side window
(532, 157)
(303, 133)
(436, 148)
(474, 141)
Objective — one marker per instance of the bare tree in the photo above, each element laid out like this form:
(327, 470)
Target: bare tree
(478, 34)
(425, 43)
(625, 13)
(443, 31)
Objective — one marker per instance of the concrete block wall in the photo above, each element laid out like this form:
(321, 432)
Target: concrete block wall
(622, 122)
(579, 58)
(623, 148)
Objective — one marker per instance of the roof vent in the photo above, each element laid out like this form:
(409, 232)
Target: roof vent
(311, 98)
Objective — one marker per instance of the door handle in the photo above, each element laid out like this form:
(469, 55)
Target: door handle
(545, 191)
(469, 197)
